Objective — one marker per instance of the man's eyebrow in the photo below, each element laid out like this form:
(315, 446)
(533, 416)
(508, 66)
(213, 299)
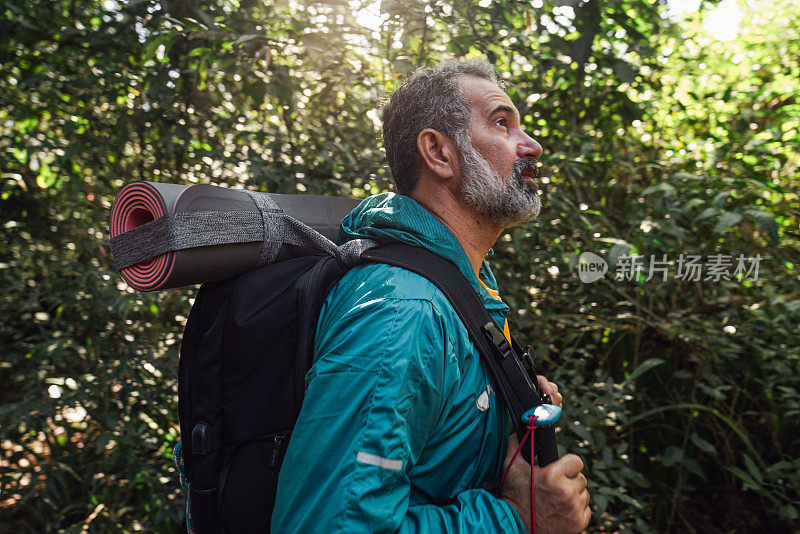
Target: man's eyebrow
(503, 108)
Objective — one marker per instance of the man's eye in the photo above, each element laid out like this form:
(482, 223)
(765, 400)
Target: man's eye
(502, 122)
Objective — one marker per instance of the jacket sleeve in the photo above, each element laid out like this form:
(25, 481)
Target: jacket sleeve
(374, 395)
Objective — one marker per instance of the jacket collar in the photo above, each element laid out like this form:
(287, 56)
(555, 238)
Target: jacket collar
(391, 217)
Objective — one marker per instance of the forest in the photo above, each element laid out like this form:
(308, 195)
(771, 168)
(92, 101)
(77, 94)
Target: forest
(663, 140)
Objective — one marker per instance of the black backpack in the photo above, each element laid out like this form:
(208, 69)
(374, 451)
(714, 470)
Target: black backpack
(246, 349)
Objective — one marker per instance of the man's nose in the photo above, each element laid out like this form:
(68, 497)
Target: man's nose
(529, 147)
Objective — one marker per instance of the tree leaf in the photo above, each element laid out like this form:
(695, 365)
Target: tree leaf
(246, 37)
(726, 220)
(199, 51)
(766, 221)
(672, 456)
(753, 469)
(643, 368)
(706, 213)
(662, 187)
(702, 444)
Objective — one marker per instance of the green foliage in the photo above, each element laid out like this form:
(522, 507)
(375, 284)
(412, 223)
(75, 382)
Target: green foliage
(707, 370)
(683, 397)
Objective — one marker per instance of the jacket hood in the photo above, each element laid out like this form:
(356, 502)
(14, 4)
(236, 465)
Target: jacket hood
(391, 217)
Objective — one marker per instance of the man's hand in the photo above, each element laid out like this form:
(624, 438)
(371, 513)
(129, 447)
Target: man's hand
(561, 500)
(550, 388)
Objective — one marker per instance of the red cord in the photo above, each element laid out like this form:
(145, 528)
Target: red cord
(505, 473)
(531, 426)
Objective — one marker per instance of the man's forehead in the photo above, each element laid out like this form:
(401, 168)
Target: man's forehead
(484, 95)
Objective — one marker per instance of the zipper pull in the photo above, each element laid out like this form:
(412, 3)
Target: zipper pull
(276, 447)
(528, 357)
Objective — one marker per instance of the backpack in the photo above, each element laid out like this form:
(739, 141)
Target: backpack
(246, 348)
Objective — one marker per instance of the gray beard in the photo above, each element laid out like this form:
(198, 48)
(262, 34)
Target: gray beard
(502, 202)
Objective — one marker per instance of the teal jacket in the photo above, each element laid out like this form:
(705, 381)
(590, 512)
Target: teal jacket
(399, 426)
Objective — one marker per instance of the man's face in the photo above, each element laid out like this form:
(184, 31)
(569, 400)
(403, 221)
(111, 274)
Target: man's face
(497, 161)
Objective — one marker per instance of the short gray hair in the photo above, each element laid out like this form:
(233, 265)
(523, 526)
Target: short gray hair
(430, 98)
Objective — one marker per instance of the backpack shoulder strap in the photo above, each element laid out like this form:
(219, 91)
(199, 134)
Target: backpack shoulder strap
(312, 288)
(512, 381)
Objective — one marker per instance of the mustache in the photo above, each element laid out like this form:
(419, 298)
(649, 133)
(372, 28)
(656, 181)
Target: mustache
(526, 164)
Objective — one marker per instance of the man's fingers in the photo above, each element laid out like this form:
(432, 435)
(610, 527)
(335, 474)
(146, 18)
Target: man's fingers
(545, 385)
(549, 388)
(586, 517)
(557, 398)
(570, 466)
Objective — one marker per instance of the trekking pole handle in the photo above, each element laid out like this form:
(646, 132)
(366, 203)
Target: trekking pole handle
(545, 446)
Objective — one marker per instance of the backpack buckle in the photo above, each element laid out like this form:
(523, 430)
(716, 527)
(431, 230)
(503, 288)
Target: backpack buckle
(498, 340)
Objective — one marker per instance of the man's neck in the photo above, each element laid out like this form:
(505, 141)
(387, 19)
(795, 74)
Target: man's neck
(475, 234)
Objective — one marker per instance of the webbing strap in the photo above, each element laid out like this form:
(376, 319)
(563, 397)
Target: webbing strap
(177, 231)
(272, 227)
(269, 225)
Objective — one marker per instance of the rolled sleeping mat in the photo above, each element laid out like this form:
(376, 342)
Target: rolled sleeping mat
(170, 235)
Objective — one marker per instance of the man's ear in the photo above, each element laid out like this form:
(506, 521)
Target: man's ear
(437, 153)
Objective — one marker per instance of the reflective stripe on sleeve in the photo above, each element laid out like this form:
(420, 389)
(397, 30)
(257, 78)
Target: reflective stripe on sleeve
(385, 463)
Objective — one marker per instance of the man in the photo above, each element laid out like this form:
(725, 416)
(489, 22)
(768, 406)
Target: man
(400, 427)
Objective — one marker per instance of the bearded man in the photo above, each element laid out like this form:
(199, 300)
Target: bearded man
(400, 430)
